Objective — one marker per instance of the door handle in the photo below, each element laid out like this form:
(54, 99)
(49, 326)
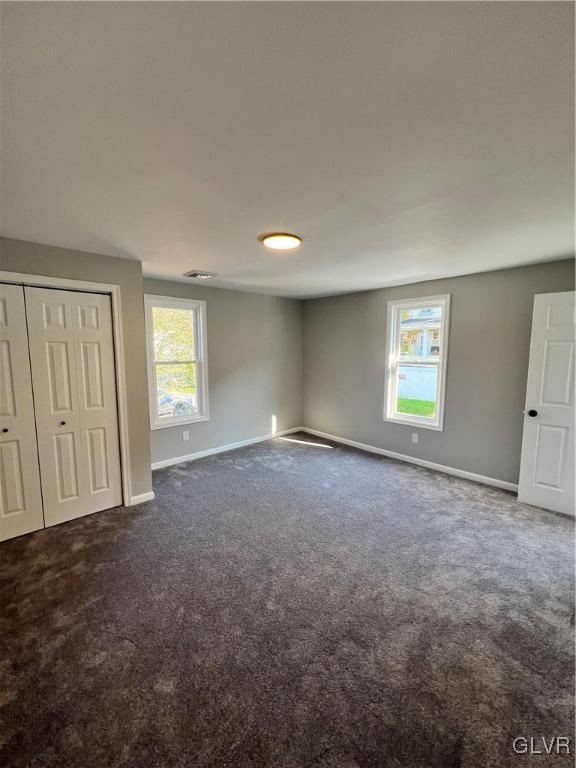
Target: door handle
(532, 412)
(62, 423)
(5, 429)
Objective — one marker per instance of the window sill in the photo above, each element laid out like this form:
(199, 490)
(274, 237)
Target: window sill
(415, 422)
(179, 422)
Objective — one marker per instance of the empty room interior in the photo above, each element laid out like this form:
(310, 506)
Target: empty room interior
(287, 420)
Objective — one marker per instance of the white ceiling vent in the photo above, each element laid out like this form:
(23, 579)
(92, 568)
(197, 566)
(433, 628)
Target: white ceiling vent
(197, 274)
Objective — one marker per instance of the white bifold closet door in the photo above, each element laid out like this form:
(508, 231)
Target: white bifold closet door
(20, 498)
(74, 384)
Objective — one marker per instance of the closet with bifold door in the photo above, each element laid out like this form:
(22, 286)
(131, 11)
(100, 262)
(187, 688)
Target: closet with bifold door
(59, 452)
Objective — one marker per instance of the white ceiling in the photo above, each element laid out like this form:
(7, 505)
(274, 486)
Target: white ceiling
(402, 141)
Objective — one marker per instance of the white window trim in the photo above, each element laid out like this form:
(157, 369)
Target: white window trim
(199, 308)
(394, 309)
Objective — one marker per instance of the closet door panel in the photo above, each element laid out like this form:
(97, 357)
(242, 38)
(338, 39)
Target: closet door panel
(72, 353)
(97, 400)
(50, 316)
(20, 496)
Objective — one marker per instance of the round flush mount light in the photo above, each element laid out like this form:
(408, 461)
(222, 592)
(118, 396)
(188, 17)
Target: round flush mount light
(280, 241)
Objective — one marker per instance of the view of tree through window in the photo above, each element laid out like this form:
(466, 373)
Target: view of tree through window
(175, 361)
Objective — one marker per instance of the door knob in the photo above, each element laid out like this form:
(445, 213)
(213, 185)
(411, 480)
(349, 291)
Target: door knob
(5, 429)
(532, 412)
(62, 423)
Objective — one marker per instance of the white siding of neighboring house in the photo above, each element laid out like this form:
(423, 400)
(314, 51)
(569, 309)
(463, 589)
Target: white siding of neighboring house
(417, 381)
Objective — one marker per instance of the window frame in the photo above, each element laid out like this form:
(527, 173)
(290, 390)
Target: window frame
(395, 307)
(198, 307)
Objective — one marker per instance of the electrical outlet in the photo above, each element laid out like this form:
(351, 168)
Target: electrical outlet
(185, 435)
(414, 437)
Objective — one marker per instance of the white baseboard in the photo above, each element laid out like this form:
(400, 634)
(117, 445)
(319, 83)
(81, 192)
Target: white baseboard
(221, 449)
(420, 462)
(140, 498)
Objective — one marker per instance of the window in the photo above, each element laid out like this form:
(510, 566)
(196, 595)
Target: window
(416, 361)
(177, 370)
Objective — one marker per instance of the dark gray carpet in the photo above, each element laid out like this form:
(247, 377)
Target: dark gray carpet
(290, 605)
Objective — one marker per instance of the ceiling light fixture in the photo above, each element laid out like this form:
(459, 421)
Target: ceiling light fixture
(197, 274)
(280, 241)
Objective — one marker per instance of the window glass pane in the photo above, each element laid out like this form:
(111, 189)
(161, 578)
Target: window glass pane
(176, 390)
(416, 389)
(420, 333)
(173, 333)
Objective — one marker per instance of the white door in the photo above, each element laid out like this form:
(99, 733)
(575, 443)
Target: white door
(72, 357)
(547, 465)
(20, 498)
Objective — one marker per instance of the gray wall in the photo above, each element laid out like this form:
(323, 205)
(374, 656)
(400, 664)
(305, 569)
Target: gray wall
(344, 365)
(254, 368)
(36, 259)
